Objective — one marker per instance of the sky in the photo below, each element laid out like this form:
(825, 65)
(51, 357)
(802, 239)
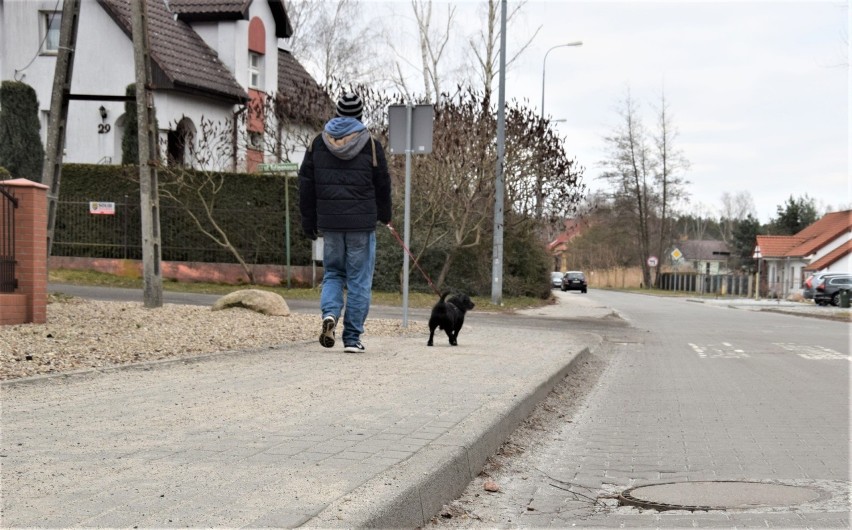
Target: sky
(758, 91)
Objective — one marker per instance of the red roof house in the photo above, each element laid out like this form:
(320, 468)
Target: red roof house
(825, 245)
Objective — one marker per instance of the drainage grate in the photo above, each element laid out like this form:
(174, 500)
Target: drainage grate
(716, 495)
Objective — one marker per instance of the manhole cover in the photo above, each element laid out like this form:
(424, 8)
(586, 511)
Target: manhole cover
(716, 495)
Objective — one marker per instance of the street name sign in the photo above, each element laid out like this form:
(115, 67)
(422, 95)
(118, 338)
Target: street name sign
(280, 167)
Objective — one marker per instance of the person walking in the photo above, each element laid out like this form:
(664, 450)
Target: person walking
(344, 188)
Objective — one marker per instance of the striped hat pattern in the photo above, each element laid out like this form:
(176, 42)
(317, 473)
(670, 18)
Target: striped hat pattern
(350, 105)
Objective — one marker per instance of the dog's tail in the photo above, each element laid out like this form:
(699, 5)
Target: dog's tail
(444, 295)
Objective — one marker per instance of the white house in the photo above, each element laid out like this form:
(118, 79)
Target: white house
(825, 245)
(706, 256)
(210, 59)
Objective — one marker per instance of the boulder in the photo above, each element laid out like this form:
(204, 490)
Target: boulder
(265, 302)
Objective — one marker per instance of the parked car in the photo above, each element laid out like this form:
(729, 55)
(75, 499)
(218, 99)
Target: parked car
(556, 279)
(814, 280)
(828, 291)
(574, 281)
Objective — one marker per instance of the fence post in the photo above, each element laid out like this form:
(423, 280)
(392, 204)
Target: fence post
(126, 219)
(31, 247)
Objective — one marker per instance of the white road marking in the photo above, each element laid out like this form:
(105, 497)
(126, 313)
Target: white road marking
(813, 353)
(728, 351)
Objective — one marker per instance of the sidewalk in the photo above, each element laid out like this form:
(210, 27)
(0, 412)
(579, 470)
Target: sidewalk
(807, 308)
(284, 437)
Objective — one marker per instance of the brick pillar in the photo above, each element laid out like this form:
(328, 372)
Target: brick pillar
(31, 246)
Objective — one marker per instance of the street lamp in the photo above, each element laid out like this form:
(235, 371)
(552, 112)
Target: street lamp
(757, 255)
(544, 63)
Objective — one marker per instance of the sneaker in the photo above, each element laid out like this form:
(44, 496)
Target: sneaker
(326, 338)
(355, 347)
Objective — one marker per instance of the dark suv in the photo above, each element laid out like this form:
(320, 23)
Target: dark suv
(828, 291)
(814, 280)
(574, 281)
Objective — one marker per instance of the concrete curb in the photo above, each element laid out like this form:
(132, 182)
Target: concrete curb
(410, 494)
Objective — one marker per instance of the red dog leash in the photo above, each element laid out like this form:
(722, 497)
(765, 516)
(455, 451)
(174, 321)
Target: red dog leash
(413, 259)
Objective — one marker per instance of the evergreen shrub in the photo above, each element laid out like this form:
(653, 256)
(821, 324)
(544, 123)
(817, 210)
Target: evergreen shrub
(21, 151)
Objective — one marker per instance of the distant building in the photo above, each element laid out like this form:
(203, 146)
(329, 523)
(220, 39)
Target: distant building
(210, 59)
(705, 256)
(825, 245)
(558, 248)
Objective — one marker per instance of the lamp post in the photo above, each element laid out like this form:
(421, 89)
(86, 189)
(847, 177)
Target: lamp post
(544, 64)
(757, 255)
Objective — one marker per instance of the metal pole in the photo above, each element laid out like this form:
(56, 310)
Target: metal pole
(287, 224)
(544, 63)
(497, 251)
(406, 228)
(757, 286)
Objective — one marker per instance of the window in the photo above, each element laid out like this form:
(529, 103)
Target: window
(255, 70)
(50, 22)
(255, 140)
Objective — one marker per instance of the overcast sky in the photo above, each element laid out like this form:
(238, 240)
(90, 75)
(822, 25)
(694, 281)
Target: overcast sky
(759, 91)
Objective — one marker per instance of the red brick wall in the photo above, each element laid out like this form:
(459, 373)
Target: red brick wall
(13, 309)
(30, 255)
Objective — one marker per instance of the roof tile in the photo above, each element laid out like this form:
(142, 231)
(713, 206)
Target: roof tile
(809, 240)
(209, 6)
(185, 59)
(302, 98)
(777, 246)
(828, 228)
(831, 257)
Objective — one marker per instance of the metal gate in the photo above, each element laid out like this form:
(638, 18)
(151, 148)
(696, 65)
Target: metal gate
(8, 204)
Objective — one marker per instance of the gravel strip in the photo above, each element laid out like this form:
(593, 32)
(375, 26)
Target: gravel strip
(82, 334)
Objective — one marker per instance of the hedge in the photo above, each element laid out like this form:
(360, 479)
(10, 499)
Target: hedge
(250, 208)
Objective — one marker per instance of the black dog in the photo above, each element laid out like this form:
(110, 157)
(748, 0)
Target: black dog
(449, 316)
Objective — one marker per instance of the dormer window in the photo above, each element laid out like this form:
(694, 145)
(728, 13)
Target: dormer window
(255, 70)
(256, 51)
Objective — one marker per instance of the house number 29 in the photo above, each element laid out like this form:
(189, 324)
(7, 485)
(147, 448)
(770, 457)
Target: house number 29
(103, 128)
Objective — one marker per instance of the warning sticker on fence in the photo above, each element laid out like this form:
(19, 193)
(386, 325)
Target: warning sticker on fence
(102, 208)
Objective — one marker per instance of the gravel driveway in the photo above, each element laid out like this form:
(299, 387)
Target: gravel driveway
(85, 334)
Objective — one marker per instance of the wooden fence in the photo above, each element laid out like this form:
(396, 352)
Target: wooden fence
(691, 282)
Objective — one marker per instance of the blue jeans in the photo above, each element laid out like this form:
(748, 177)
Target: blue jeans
(348, 261)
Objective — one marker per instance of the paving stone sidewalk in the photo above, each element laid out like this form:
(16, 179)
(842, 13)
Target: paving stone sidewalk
(289, 436)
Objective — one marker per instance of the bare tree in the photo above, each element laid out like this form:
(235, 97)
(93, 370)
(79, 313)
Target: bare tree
(433, 43)
(735, 208)
(486, 44)
(195, 183)
(335, 39)
(550, 193)
(454, 186)
(435, 36)
(671, 163)
(698, 223)
(630, 172)
(645, 172)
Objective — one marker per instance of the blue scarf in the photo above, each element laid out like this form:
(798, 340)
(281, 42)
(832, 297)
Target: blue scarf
(340, 127)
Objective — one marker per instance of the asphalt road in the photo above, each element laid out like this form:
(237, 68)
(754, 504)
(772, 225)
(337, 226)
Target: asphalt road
(686, 392)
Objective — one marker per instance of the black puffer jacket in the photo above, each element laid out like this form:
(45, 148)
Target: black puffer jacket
(338, 195)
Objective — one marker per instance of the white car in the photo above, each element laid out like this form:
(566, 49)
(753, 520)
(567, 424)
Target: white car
(556, 279)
